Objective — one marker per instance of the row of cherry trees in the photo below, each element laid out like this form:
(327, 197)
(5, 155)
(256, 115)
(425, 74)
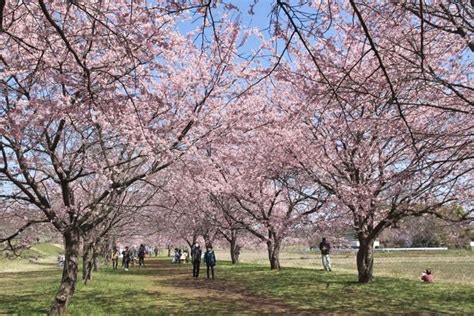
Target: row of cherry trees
(98, 98)
(110, 116)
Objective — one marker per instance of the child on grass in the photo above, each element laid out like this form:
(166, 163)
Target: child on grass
(427, 276)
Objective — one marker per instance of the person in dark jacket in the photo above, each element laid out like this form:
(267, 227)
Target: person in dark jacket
(210, 260)
(197, 252)
(325, 248)
(126, 258)
(141, 255)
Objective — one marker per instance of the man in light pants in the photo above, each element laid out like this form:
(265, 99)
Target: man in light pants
(325, 247)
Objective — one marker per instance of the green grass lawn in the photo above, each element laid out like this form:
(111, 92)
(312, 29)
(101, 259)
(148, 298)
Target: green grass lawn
(248, 288)
(453, 266)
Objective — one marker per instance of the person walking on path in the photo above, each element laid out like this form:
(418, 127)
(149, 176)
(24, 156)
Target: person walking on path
(156, 251)
(126, 258)
(197, 252)
(115, 258)
(210, 260)
(325, 248)
(141, 255)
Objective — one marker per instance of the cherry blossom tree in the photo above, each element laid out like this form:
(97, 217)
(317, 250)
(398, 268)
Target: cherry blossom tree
(123, 214)
(271, 213)
(95, 98)
(21, 227)
(250, 166)
(363, 111)
(387, 127)
(229, 227)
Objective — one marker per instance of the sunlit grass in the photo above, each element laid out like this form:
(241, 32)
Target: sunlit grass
(453, 266)
(339, 292)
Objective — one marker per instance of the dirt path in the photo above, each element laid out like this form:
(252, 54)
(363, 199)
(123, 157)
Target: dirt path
(177, 279)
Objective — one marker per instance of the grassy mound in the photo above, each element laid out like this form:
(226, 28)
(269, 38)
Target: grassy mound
(36, 258)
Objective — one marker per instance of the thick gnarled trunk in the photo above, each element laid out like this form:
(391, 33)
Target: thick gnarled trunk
(273, 248)
(365, 260)
(69, 277)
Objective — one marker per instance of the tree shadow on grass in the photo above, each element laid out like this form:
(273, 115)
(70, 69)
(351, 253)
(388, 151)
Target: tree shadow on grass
(23, 304)
(27, 292)
(238, 289)
(255, 289)
(341, 293)
(319, 291)
(31, 275)
(232, 297)
(149, 271)
(138, 302)
(229, 297)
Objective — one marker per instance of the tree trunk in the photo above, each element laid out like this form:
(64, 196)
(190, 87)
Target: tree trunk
(69, 277)
(95, 259)
(233, 245)
(169, 250)
(365, 260)
(191, 246)
(274, 254)
(237, 253)
(87, 252)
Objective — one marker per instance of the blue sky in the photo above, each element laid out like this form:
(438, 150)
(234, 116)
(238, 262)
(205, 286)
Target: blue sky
(260, 19)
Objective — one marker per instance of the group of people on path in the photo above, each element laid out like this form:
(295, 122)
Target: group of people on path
(180, 256)
(128, 256)
(209, 259)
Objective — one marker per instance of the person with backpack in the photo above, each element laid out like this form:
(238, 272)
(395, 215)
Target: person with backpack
(175, 258)
(325, 248)
(210, 260)
(197, 252)
(141, 255)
